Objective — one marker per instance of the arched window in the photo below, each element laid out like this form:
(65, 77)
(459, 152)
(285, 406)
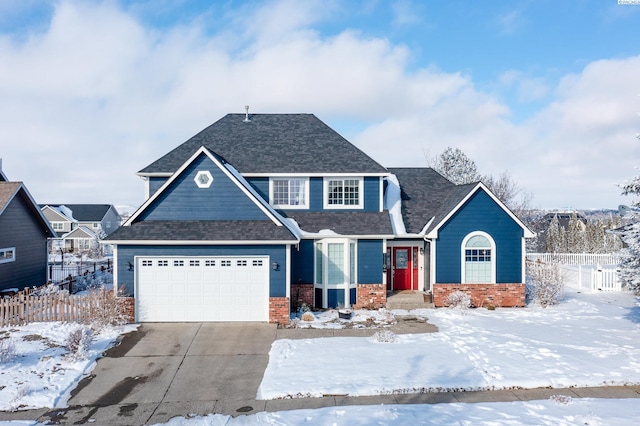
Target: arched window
(478, 258)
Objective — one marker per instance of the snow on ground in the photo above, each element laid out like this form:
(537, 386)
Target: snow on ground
(587, 340)
(37, 369)
(554, 411)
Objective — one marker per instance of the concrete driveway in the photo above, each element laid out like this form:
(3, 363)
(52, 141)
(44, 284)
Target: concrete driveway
(165, 370)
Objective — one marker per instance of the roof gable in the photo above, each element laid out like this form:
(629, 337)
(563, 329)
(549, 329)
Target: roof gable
(61, 212)
(272, 144)
(81, 232)
(459, 197)
(229, 197)
(10, 190)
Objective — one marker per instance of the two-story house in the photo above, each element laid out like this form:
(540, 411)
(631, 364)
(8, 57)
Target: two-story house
(257, 211)
(23, 237)
(80, 227)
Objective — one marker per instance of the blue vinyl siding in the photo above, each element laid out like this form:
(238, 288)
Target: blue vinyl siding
(480, 213)
(276, 253)
(155, 183)
(261, 185)
(335, 297)
(370, 259)
(302, 258)
(183, 200)
(316, 190)
(372, 194)
(20, 228)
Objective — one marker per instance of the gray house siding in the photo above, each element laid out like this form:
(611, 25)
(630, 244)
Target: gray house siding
(480, 213)
(19, 229)
(276, 253)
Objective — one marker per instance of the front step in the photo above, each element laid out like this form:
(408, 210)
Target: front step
(409, 300)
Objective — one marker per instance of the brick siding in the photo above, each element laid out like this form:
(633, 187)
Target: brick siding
(279, 310)
(504, 295)
(129, 308)
(371, 296)
(301, 293)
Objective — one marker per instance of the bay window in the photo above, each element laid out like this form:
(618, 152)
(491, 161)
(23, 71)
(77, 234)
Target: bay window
(335, 272)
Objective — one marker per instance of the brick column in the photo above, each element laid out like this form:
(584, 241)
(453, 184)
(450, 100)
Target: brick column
(301, 293)
(279, 310)
(370, 296)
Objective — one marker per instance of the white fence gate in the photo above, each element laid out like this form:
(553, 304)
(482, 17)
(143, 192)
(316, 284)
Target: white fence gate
(588, 271)
(588, 278)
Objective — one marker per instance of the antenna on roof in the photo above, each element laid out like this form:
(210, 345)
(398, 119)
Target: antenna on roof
(246, 114)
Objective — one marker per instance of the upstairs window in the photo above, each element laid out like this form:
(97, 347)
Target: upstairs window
(58, 226)
(7, 254)
(289, 193)
(343, 193)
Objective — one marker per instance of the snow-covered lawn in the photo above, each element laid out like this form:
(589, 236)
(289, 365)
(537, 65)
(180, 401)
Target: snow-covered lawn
(38, 370)
(559, 411)
(587, 340)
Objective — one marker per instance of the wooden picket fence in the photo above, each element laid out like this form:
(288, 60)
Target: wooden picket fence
(24, 308)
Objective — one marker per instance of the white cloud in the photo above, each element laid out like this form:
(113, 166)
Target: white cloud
(98, 96)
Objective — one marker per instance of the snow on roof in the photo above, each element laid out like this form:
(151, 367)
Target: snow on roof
(393, 203)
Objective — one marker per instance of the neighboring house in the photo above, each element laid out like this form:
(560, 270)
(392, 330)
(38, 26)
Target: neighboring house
(80, 227)
(256, 214)
(23, 237)
(563, 219)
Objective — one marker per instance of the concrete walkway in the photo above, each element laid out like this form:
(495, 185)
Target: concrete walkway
(167, 370)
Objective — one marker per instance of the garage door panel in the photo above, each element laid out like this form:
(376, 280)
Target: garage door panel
(202, 289)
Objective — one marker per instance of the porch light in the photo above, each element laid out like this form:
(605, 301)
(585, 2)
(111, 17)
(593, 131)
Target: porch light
(275, 266)
(421, 250)
(129, 266)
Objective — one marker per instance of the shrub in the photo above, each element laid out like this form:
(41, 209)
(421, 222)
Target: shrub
(7, 350)
(545, 282)
(78, 343)
(111, 309)
(458, 300)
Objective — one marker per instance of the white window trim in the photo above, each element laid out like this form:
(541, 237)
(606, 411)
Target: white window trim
(325, 191)
(303, 206)
(346, 285)
(58, 226)
(12, 259)
(463, 278)
(206, 174)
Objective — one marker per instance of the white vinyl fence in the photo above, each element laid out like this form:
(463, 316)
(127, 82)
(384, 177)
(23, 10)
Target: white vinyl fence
(576, 258)
(585, 271)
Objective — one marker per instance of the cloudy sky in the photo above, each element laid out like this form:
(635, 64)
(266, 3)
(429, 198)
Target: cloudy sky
(93, 91)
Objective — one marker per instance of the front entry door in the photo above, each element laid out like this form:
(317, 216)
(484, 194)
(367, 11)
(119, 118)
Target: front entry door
(402, 268)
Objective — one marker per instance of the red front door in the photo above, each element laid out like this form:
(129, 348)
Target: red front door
(402, 268)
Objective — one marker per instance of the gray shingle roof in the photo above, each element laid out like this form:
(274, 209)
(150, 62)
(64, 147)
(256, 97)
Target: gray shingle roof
(425, 193)
(85, 212)
(273, 143)
(203, 230)
(345, 223)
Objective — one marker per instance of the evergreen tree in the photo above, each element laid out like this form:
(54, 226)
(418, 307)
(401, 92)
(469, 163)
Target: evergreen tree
(575, 235)
(630, 266)
(554, 239)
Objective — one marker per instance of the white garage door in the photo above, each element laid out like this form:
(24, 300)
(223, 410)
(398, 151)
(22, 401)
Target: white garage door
(183, 289)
